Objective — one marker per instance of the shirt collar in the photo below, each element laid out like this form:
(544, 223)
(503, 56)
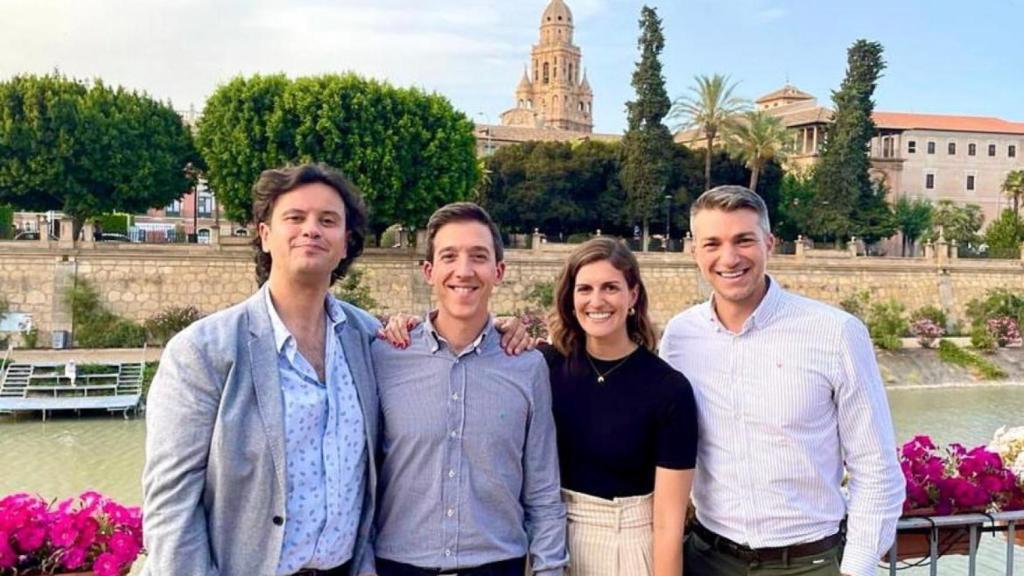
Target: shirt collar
(434, 339)
(336, 318)
(761, 315)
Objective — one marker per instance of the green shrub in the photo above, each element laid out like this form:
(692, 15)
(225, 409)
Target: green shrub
(6, 222)
(857, 304)
(148, 372)
(982, 339)
(95, 325)
(113, 223)
(980, 367)
(351, 290)
(933, 313)
(542, 295)
(887, 324)
(163, 326)
(997, 302)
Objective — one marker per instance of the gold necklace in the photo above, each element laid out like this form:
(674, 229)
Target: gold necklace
(601, 376)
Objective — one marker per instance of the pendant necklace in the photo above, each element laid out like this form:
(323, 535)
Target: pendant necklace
(602, 375)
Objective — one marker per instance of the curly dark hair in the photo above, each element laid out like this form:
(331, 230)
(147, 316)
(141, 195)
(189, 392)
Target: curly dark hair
(272, 184)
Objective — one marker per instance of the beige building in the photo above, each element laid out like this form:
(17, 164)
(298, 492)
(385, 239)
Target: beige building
(935, 156)
(554, 91)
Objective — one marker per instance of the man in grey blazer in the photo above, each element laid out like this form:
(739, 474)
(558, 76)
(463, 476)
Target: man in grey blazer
(262, 419)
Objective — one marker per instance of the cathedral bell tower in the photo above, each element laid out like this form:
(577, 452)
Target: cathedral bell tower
(554, 92)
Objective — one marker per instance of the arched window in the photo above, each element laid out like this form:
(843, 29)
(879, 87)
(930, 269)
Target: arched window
(579, 107)
(571, 77)
(529, 104)
(203, 237)
(545, 72)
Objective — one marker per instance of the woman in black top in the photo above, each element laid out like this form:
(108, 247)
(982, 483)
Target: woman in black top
(626, 421)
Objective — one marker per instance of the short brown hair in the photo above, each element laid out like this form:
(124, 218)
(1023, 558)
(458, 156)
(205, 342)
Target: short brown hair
(566, 333)
(730, 199)
(462, 212)
(274, 183)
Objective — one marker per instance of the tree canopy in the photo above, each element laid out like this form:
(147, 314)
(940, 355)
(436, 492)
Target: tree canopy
(87, 148)
(409, 152)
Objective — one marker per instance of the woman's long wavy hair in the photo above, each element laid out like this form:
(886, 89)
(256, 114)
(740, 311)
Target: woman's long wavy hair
(567, 335)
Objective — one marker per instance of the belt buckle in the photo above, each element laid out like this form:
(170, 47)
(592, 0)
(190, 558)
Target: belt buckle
(448, 574)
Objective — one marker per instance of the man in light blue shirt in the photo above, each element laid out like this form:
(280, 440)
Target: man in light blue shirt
(469, 469)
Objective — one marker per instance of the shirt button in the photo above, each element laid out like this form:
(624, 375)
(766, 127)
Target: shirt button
(278, 520)
(453, 434)
(455, 396)
(447, 552)
(451, 473)
(451, 512)
(739, 417)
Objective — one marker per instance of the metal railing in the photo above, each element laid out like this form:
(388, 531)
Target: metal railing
(976, 524)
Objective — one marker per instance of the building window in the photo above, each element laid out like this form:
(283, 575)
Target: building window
(972, 149)
(952, 148)
(1011, 151)
(887, 147)
(931, 147)
(911, 147)
(570, 73)
(173, 209)
(546, 71)
(929, 181)
(991, 149)
(205, 206)
(970, 181)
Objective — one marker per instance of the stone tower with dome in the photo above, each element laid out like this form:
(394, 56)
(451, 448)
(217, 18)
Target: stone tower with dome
(553, 91)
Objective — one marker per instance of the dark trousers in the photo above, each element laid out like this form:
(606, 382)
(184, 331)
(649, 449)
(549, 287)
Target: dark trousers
(513, 567)
(342, 570)
(701, 559)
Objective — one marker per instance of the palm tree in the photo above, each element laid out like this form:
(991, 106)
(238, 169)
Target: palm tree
(1013, 187)
(757, 138)
(709, 107)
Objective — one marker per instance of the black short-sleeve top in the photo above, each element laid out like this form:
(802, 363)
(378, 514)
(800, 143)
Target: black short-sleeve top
(612, 435)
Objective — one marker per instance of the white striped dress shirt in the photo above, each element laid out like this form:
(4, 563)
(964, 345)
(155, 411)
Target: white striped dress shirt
(783, 404)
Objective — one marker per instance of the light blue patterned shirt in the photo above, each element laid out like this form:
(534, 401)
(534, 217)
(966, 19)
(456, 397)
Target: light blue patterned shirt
(325, 450)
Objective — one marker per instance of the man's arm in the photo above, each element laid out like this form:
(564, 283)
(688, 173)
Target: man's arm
(181, 410)
(877, 487)
(544, 510)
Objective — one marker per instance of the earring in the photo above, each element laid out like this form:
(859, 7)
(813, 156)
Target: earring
(632, 311)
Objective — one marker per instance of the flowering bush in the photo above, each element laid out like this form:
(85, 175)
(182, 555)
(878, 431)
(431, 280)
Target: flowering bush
(956, 479)
(927, 331)
(90, 532)
(1004, 329)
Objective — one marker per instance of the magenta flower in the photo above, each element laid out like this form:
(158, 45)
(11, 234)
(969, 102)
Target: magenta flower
(73, 558)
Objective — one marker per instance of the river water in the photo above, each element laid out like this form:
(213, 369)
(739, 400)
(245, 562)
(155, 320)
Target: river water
(66, 455)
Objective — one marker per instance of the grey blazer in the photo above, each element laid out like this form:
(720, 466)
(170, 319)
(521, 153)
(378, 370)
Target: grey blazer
(214, 480)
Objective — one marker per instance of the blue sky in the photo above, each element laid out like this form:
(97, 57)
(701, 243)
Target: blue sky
(943, 56)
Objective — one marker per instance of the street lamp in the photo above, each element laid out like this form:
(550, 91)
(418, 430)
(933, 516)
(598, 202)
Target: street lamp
(668, 218)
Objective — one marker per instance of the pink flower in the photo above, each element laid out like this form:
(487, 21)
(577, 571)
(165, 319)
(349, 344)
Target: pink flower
(73, 558)
(107, 564)
(63, 532)
(7, 556)
(124, 546)
(30, 538)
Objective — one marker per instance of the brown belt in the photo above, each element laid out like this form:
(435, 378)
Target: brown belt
(748, 554)
(342, 570)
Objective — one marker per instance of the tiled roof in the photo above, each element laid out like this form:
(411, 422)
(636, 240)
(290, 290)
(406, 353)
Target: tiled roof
(787, 91)
(900, 120)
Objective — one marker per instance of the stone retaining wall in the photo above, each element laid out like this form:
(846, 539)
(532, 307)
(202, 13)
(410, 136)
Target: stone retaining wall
(138, 281)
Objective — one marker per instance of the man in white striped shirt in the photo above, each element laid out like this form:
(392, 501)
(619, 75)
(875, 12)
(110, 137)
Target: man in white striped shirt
(788, 396)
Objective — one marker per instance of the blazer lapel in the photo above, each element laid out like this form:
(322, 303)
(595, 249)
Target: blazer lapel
(362, 375)
(266, 381)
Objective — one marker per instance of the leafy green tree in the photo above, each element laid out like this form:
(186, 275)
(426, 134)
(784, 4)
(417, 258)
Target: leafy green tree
(6, 221)
(1004, 235)
(914, 218)
(846, 202)
(87, 148)
(756, 139)
(959, 224)
(407, 151)
(555, 187)
(1013, 188)
(796, 198)
(647, 144)
(710, 108)
(873, 216)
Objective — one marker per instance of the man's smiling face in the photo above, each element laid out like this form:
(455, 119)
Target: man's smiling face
(464, 270)
(732, 250)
